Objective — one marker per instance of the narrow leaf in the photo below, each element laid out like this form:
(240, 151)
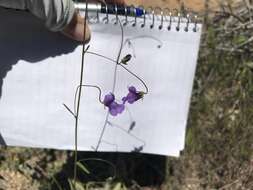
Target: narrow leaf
(83, 168)
(118, 186)
(71, 184)
(57, 183)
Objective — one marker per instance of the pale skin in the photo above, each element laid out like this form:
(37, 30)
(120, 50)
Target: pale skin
(75, 29)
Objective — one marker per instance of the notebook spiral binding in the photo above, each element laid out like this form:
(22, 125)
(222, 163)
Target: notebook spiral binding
(165, 14)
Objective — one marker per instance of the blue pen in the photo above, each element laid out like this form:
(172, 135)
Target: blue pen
(111, 9)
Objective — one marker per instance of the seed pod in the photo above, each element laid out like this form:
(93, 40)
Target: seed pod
(126, 59)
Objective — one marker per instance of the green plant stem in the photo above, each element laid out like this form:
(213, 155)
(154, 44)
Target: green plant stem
(144, 84)
(111, 60)
(89, 86)
(114, 85)
(79, 97)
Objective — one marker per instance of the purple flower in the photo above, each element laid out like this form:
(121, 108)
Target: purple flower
(114, 107)
(133, 95)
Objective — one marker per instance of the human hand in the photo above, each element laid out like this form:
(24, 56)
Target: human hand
(75, 30)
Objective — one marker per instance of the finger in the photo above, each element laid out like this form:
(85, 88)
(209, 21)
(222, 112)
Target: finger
(75, 30)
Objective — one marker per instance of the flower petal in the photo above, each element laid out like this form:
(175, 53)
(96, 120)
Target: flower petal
(113, 112)
(131, 98)
(132, 89)
(116, 108)
(120, 108)
(109, 98)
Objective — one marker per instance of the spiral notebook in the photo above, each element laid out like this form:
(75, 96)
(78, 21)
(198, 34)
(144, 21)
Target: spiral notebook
(40, 70)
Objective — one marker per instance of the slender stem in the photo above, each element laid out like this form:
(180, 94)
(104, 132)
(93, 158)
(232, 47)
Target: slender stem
(136, 77)
(69, 110)
(89, 86)
(109, 59)
(102, 132)
(118, 57)
(79, 96)
(114, 85)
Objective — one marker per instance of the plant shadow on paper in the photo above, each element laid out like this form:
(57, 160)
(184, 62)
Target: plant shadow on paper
(25, 38)
(142, 169)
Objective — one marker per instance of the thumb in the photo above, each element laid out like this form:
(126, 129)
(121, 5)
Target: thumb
(75, 29)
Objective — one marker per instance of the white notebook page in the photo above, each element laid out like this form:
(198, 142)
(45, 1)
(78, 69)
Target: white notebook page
(40, 71)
